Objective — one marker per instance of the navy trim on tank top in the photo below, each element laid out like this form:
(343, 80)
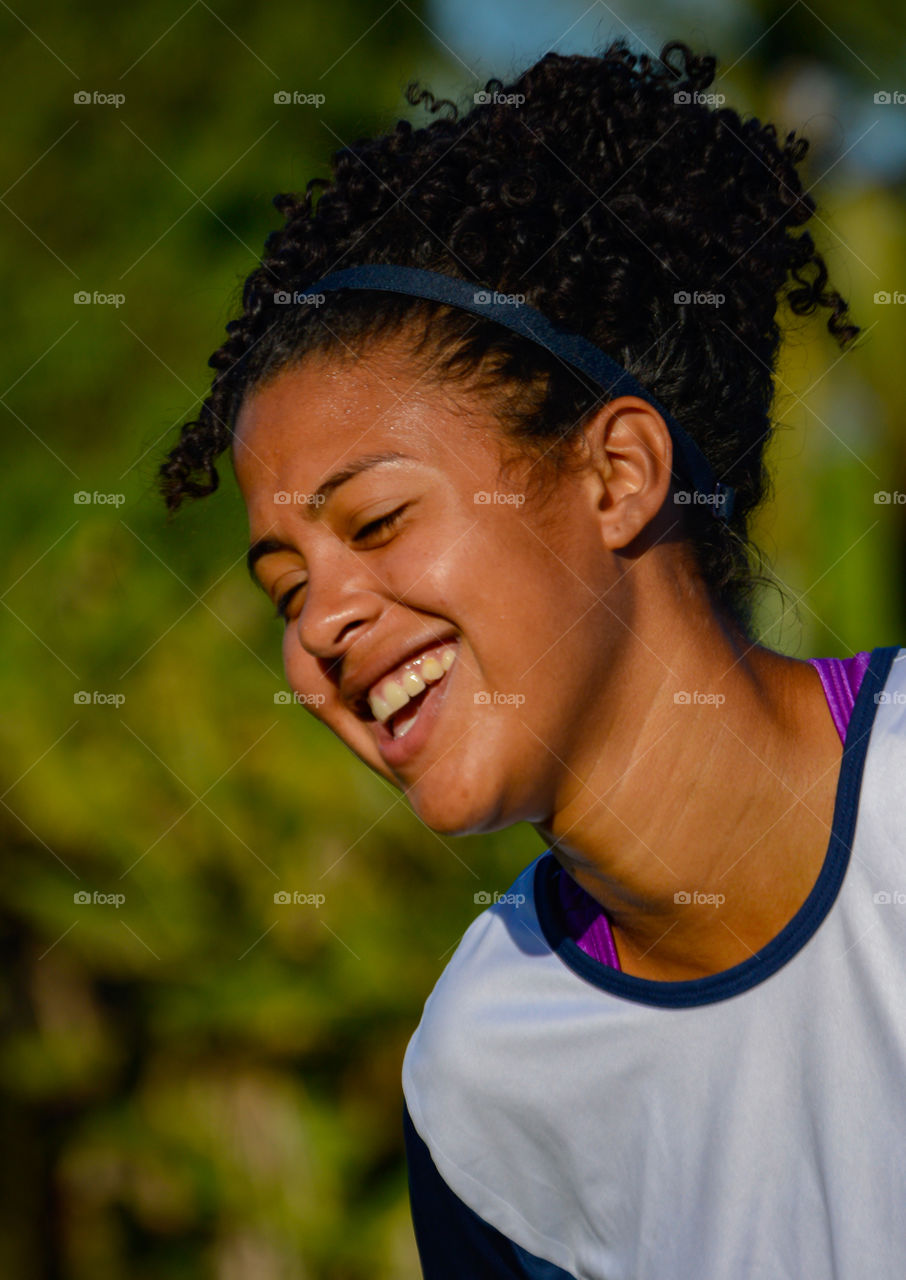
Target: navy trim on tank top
(794, 935)
(453, 1241)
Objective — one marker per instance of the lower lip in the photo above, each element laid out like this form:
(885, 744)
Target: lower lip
(398, 751)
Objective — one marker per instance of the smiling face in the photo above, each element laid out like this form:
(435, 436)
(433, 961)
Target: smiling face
(417, 573)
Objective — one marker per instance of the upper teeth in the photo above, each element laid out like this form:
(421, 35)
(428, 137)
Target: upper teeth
(393, 692)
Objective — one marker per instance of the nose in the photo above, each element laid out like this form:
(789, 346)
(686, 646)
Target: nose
(340, 600)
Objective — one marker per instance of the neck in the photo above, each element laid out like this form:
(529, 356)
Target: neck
(700, 826)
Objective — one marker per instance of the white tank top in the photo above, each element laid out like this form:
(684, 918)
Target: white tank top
(749, 1125)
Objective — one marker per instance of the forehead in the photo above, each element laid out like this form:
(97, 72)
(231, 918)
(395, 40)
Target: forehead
(315, 415)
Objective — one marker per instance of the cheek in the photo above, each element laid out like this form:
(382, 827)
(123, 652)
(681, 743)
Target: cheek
(433, 572)
(303, 673)
(538, 583)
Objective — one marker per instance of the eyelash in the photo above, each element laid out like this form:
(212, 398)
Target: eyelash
(381, 525)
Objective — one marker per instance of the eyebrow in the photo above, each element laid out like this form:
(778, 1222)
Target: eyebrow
(313, 504)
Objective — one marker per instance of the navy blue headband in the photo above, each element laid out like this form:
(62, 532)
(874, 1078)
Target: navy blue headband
(572, 348)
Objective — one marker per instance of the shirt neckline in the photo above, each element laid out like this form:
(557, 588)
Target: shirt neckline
(791, 938)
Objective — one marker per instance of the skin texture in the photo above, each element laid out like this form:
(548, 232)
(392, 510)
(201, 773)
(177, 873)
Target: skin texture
(583, 600)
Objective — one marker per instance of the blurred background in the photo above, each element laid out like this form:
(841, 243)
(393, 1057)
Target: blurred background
(196, 1080)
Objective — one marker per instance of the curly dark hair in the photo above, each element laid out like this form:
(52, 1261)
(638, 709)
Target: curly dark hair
(600, 188)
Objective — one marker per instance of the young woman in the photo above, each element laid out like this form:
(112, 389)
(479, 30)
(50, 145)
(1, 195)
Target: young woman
(498, 405)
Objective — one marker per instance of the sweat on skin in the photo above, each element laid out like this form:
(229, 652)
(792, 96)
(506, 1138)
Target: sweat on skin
(583, 600)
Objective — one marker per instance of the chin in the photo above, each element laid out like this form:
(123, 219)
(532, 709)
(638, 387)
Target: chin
(444, 822)
(462, 795)
(460, 806)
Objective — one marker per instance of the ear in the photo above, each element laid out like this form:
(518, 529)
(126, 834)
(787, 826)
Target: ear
(629, 459)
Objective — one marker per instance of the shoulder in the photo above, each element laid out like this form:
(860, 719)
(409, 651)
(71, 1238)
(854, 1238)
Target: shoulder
(496, 994)
(502, 940)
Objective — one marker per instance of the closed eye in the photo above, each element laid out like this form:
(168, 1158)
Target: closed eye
(382, 525)
(284, 602)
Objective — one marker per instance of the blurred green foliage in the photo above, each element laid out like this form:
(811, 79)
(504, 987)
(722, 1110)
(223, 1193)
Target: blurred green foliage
(197, 1080)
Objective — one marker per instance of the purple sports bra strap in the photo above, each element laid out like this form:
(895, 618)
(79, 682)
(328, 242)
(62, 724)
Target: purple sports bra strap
(841, 678)
(586, 921)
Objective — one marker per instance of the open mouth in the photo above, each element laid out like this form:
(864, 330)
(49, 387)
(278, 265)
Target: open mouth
(396, 700)
(400, 722)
